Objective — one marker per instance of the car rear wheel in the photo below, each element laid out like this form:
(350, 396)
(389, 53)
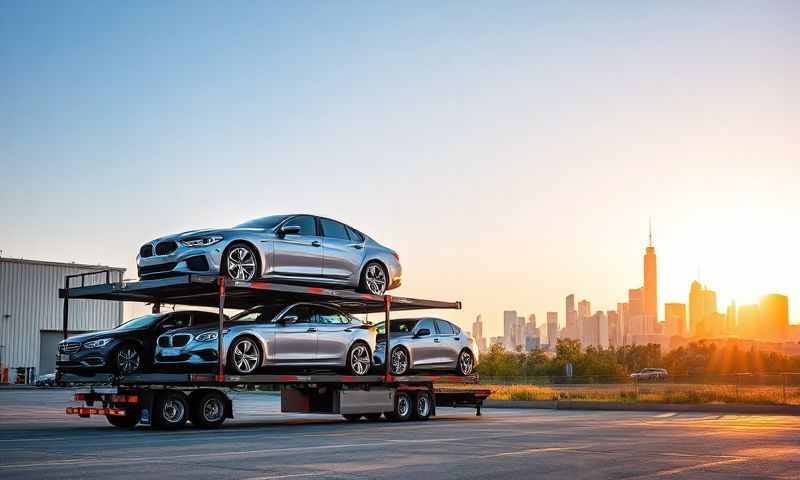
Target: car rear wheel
(127, 360)
(208, 410)
(171, 410)
(466, 363)
(241, 262)
(374, 279)
(403, 408)
(359, 359)
(245, 356)
(400, 361)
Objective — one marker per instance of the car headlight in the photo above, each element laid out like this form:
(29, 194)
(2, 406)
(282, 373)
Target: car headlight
(209, 336)
(102, 342)
(201, 241)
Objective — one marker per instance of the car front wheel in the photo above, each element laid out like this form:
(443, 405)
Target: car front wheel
(127, 360)
(374, 279)
(359, 359)
(466, 363)
(241, 262)
(245, 356)
(400, 361)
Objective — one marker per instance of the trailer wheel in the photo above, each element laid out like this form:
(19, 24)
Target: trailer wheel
(171, 410)
(208, 411)
(352, 417)
(131, 418)
(423, 406)
(403, 408)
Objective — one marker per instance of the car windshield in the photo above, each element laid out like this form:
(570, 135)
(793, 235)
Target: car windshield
(261, 314)
(265, 222)
(137, 323)
(399, 326)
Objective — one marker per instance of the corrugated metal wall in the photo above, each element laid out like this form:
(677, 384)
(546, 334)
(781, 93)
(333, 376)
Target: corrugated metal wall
(29, 303)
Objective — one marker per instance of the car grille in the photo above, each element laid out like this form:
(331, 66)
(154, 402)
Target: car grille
(180, 339)
(146, 251)
(197, 263)
(165, 248)
(69, 347)
(163, 267)
(163, 341)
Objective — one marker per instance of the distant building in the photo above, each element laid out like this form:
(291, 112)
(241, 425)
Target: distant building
(510, 328)
(774, 311)
(552, 329)
(614, 329)
(650, 288)
(532, 334)
(477, 333)
(532, 343)
(571, 318)
(675, 319)
(730, 319)
(624, 317)
(702, 310)
(748, 321)
(635, 313)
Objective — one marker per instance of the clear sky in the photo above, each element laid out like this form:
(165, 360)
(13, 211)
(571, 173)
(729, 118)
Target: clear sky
(511, 152)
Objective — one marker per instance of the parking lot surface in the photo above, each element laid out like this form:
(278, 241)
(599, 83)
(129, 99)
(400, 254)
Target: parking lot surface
(37, 441)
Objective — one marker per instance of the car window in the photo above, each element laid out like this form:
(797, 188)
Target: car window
(305, 314)
(331, 317)
(263, 314)
(333, 229)
(178, 319)
(266, 222)
(355, 235)
(307, 224)
(146, 321)
(426, 323)
(444, 327)
(204, 318)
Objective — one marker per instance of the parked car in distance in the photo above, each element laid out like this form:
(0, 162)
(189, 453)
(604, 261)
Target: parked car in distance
(295, 248)
(650, 374)
(46, 380)
(128, 348)
(427, 344)
(300, 335)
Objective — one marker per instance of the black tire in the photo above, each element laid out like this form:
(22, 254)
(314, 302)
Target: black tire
(243, 274)
(130, 420)
(402, 365)
(372, 417)
(241, 359)
(352, 417)
(359, 359)
(403, 407)
(208, 410)
(423, 406)
(374, 272)
(466, 363)
(127, 359)
(170, 410)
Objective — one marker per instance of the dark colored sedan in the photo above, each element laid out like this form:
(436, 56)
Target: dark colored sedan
(129, 347)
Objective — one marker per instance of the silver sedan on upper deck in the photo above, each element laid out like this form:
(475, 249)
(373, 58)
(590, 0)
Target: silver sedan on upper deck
(297, 248)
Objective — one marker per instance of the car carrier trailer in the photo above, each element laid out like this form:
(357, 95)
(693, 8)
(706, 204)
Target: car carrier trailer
(169, 400)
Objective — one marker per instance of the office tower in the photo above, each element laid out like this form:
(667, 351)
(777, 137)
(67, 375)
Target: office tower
(635, 312)
(571, 318)
(710, 309)
(702, 309)
(614, 329)
(624, 316)
(532, 341)
(477, 333)
(675, 319)
(510, 328)
(774, 310)
(749, 321)
(552, 329)
(730, 319)
(696, 308)
(602, 329)
(520, 333)
(650, 288)
(584, 312)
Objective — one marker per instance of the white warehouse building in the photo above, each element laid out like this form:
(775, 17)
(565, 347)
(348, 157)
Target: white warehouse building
(31, 313)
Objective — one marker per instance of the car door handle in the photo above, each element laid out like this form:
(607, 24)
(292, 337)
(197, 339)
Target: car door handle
(312, 329)
(315, 243)
(357, 246)
(435, 340)
(456, 339)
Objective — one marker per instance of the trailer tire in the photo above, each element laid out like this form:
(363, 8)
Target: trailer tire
(403, 408)
(208, 410)
(171, 410)
(352, 417)
(423, 406)
(130, 420)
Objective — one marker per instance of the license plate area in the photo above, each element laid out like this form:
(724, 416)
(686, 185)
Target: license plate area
(63, 357)
(170, 352)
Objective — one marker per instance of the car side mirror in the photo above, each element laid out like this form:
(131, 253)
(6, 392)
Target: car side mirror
(422, 332)
(290, 230)
(289, 319)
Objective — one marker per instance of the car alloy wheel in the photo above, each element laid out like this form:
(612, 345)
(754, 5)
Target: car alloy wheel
(241, 263)
(465, 363)
(245, 356)
(128, 359)
(375, 278)
(360, 361)
(399, 361)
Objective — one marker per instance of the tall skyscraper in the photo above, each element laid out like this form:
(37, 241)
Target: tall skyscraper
(749, 323)
(650, 289)
(552, 329)
(532, 340)
(520, 333)
(675, 319)
(635, 312)
(703, 320)
(477, 333)
(510, 329)
(571, 318)
(614, 329)
(774, 310)
(696, 308)
(730, 319)
(624, 316)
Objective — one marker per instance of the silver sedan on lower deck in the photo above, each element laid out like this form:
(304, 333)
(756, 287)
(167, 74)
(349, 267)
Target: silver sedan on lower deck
(427, 344)
(300, 335)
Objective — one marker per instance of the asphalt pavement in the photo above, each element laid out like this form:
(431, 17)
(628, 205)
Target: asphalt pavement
(38, 441)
